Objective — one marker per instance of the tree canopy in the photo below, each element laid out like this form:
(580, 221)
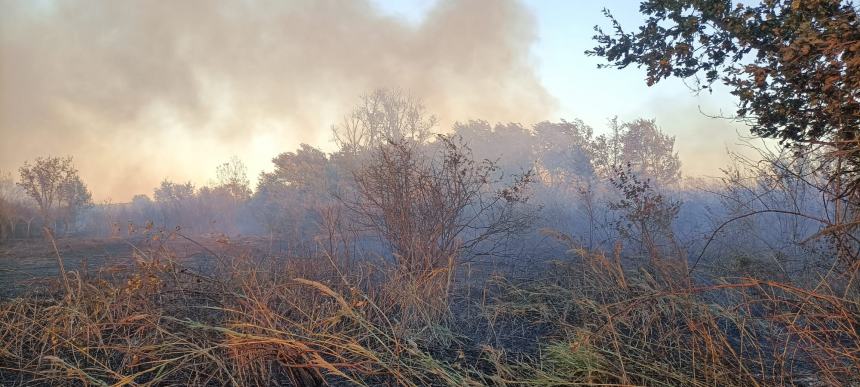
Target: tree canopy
(794, 65)
(54, 184)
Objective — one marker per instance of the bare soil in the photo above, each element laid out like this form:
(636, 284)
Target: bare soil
(30, 264)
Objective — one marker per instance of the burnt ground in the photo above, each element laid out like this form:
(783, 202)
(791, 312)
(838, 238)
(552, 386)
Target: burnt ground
(29, 264)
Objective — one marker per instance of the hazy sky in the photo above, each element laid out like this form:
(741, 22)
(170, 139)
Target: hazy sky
(139, 91)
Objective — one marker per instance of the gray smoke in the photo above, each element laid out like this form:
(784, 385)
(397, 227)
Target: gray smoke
(138, 91)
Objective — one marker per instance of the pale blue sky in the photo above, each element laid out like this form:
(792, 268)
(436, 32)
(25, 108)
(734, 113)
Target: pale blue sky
(565, 30)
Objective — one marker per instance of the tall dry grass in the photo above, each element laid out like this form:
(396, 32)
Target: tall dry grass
(587, 320)
(653, 326)
(249, 322)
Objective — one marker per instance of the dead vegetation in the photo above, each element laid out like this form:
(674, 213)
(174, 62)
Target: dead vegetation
(318, 321)
(417, 311)
(379, 282)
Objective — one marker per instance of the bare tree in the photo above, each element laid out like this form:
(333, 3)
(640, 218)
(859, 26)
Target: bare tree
(53, 183)
(649, 152)
(383, 115)
(233, 176)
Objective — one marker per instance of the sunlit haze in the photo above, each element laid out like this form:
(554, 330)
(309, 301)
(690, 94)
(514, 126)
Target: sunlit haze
(170, 90)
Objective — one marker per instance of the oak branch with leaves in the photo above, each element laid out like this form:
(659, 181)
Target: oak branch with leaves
(794, 65)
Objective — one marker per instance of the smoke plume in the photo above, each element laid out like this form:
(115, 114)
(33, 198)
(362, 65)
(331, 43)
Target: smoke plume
(139, 91)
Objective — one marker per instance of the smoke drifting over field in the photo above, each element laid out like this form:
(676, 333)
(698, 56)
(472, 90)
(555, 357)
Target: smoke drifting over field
(170, 89)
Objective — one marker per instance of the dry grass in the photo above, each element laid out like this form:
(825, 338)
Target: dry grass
(250, 323)
(306, 322)
(648, 327)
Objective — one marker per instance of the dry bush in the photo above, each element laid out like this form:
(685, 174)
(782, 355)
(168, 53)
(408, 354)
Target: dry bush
(428, 208)
(608, 325)
(432, 209)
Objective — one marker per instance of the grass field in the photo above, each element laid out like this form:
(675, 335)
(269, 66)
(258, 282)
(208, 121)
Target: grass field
(147, 315)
